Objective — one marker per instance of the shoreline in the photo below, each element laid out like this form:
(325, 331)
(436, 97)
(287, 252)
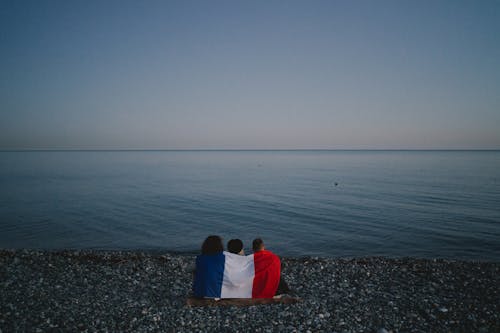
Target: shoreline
(193, 253)
(89, 290)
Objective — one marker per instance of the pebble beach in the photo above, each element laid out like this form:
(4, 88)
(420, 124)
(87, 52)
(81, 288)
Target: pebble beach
(131, 291)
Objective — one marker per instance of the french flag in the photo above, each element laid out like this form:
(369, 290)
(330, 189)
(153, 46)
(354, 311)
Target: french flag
(228, 275)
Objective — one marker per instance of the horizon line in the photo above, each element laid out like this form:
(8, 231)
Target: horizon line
(236, 149)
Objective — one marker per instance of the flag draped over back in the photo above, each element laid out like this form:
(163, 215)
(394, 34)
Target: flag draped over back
(228, 275)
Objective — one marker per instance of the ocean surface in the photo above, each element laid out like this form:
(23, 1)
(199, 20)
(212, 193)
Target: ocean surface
(433, 204)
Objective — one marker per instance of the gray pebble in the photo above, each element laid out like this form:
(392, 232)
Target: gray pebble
(131, 291)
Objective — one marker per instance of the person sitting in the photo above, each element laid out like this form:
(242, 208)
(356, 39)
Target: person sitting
(236, 246)
(259, 247)
(209, 268)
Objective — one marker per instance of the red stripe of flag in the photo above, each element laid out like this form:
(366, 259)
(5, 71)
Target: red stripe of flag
(267, 274)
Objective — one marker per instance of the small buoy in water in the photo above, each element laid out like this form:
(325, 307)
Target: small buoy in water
(335, 183)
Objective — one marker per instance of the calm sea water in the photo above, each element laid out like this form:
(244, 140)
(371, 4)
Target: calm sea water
(320, 203)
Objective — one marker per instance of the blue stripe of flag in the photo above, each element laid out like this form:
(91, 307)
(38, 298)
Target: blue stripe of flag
(209, 275)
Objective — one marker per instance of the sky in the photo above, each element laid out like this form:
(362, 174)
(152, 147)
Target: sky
(84, 74)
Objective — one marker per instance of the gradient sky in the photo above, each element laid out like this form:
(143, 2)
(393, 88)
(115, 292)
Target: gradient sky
(249, 74)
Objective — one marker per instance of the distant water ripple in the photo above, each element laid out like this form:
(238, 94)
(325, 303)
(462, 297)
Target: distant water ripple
(320, 203)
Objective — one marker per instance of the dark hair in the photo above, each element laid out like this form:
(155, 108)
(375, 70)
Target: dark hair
(257, 244)
(212, 245)
(235, 246)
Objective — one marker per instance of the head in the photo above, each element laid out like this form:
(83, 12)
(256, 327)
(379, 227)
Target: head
(257, 245)
(212, 245)
(235, 246)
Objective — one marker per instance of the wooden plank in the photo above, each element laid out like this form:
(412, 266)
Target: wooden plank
(192, 301)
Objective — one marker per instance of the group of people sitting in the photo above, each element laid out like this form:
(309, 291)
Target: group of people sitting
(232, 274)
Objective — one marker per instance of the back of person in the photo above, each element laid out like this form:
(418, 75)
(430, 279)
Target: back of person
(269, 259)
(267, 274)
(209, 275)
(209, 268)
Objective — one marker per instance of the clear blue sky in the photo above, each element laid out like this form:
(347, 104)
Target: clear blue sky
(249, 74)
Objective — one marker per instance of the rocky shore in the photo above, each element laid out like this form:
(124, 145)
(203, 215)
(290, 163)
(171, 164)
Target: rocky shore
(91, 291)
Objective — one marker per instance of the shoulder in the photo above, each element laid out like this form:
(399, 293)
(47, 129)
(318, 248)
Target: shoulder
(209, 257)
(270, 253)
(267, 254)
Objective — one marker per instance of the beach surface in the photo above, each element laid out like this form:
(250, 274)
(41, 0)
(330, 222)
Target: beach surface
(87, 291)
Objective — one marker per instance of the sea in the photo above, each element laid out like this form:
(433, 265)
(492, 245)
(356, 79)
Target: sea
(325, 203)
